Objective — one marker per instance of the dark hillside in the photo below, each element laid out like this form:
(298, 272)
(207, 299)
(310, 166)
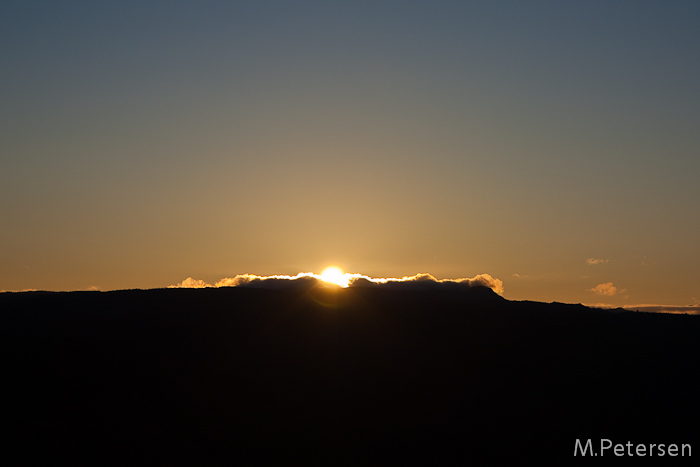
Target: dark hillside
(356, 376)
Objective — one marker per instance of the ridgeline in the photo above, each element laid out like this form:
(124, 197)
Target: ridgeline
(347, 376)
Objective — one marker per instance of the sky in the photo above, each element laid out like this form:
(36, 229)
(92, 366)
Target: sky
(552, 145)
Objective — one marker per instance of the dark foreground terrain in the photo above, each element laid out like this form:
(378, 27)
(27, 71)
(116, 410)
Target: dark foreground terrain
(354, 376)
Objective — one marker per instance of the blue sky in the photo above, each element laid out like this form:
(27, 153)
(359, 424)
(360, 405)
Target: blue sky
(145, 142)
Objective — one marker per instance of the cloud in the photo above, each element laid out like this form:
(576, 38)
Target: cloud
(687, 309)
(673, 309)
(190, 283)
(594, 261)
(607, 289)
(279, 281)
(427, 281)
(307, 279)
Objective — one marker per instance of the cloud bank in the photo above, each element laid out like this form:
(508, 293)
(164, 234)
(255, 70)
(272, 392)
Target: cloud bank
(594, 261)
(420, 281)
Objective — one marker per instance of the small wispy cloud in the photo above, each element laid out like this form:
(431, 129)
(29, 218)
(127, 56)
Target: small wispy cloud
(418, 281)
(687, 309)
(594, 261)
(647, 308)
(607, 289)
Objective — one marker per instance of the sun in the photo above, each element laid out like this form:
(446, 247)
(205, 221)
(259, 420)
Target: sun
(334, 275)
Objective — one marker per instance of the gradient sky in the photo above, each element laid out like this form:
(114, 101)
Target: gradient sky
(553, 145)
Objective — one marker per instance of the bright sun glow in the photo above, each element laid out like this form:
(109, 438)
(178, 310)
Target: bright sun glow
(334, 275)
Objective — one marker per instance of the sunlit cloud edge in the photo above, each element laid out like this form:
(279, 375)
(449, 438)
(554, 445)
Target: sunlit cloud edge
(348, 280)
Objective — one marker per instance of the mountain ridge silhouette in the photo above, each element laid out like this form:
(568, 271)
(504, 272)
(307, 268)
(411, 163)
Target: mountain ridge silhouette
(322, 374)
